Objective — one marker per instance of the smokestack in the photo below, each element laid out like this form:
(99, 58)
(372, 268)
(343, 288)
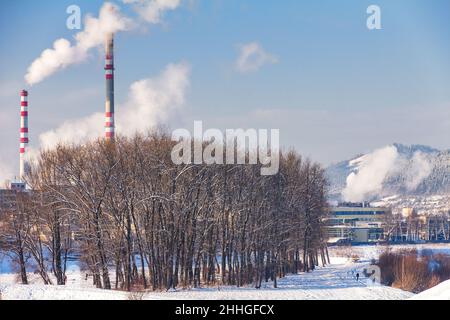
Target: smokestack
(109, 74)
(23, 131)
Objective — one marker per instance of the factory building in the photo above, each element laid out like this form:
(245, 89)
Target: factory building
(8, 198)
(351, 223)
(355, 223)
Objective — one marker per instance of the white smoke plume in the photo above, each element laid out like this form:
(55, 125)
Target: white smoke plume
(74, 131)
(154, 101)
(110, 20)
(372, 170)
(152, 11)
(64, 54)
(419, 169)
(151, 102)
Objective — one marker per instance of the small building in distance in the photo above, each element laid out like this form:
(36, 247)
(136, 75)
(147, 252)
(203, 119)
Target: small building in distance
(18, 186)
(353, 223)
(8, 196)
(7, 200)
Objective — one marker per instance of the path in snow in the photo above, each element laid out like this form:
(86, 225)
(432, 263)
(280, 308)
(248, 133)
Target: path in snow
(334, 282)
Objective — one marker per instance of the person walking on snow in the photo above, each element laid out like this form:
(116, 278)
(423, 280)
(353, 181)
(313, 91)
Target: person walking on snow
(357, 276)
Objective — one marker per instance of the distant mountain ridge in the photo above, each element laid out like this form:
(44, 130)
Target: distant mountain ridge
(411, 162)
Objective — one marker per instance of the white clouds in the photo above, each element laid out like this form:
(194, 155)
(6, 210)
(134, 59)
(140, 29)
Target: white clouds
(64, 54)
(252, 57)
(152, 11)
(372, 170)
(151, 102)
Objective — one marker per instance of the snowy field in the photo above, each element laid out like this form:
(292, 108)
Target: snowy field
(440, 292)
(334, 282)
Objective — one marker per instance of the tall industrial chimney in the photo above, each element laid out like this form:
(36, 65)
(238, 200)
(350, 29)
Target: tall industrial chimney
(109, 74)
(23, 131)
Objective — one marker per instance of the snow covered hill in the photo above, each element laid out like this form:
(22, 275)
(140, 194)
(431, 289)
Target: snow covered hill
(424, 205)
(413, 174)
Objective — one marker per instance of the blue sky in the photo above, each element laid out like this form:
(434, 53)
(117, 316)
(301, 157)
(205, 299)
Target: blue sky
(337, 89)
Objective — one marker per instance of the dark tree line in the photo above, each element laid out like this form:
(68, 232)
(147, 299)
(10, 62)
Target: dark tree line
(136, 219)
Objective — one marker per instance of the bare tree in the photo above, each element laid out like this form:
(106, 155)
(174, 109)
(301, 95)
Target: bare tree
(127, 210)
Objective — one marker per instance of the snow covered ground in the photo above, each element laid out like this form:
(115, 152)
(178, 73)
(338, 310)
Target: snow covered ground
(334, 282)
(440, 292)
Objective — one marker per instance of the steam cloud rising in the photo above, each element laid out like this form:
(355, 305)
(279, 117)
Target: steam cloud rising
(152, 11)
(372, 170)
(420, 169)
(64, 54)
(151, 102)
(110, 20)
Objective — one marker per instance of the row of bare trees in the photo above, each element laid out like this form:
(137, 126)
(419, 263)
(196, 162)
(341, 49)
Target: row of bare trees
(133, 218)
(434, 227)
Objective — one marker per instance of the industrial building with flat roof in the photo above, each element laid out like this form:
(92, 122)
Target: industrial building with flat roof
(355, 224)
(351, 223)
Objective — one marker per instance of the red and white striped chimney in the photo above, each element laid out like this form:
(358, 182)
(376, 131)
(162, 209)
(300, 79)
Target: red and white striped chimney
(23, 132)
(109, 74)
